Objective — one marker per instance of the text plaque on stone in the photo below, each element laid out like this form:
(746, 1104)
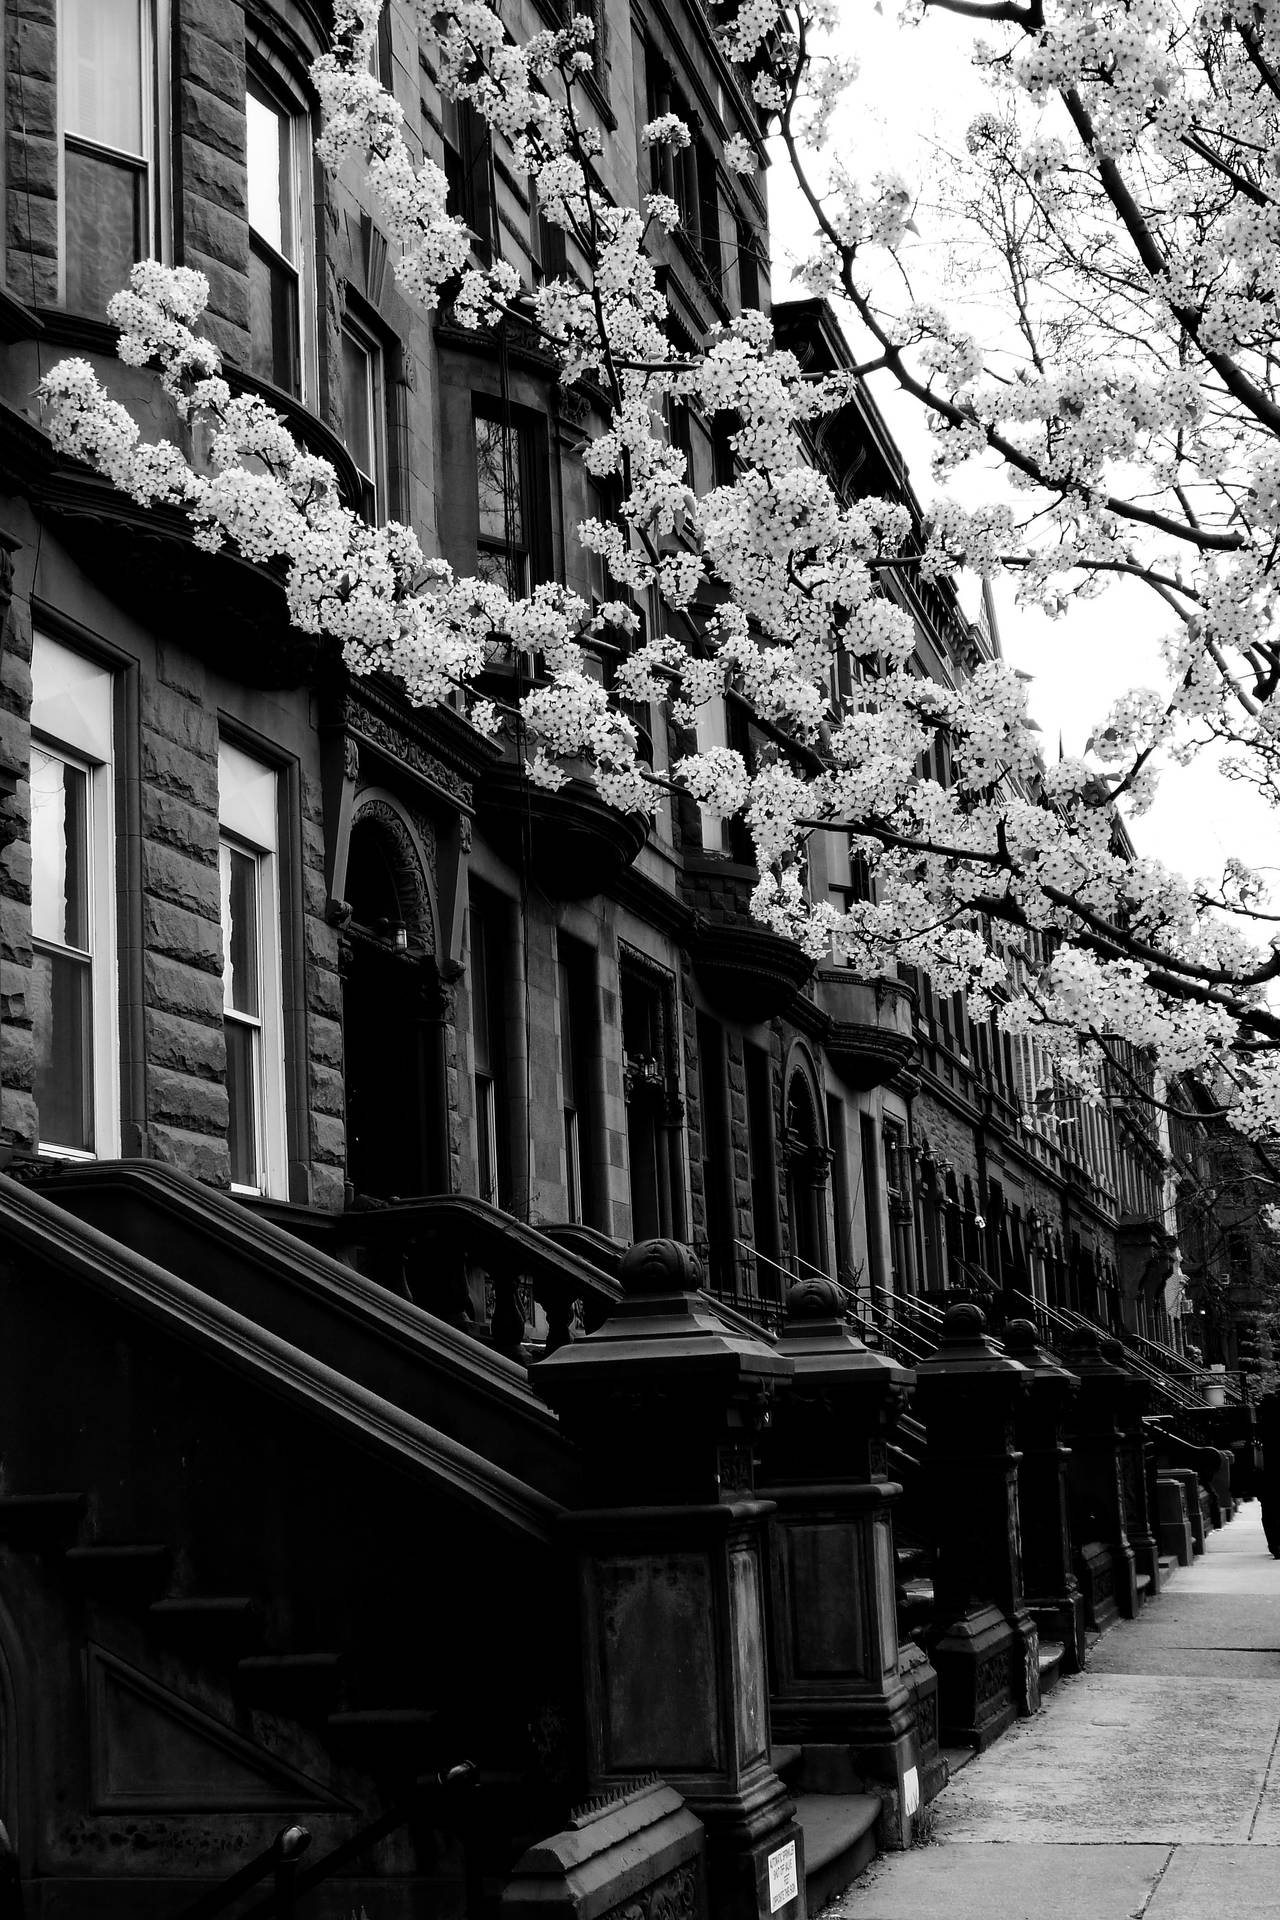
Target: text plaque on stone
(783, 1885)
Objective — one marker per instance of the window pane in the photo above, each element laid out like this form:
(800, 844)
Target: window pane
(498, 483)
(106, 226)
(273, 321)
(270, 185)
(101, 72)
(62, 1037)
(242, 1092)
(240, 990)
(357, 401)
(59, 851)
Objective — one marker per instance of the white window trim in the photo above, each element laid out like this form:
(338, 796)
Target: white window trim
(157, 138)
(248, 800)
(82, 734)
(301, 157)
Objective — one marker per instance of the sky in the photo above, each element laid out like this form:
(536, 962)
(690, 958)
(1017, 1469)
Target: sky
(914, 98)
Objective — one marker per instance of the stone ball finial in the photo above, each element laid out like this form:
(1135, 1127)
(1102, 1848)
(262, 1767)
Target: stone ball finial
(1111, 1349)
(1021, 1336)
(815, 1298)
(965, 1321)
(1083, 1344)
(654, 1267)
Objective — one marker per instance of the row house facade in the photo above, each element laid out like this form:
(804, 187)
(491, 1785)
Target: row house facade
(277, 938)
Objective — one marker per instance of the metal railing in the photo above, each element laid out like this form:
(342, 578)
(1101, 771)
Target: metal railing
(279, 1859)
(283, 1855)
(1065, 1320)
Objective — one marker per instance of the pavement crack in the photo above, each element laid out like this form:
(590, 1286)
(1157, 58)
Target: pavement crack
(1266, 1781)
(1139, 1912)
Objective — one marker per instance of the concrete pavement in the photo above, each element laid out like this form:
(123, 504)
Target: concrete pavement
(1147, 1788)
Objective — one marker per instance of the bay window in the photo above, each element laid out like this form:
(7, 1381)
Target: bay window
(112, 123)
(73, 975)
(252, 989)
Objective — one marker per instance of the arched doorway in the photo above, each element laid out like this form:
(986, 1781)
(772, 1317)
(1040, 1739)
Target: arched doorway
(808, 1165)
(392, 1015)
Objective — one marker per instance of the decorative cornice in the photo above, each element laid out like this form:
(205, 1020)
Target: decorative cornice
(446, 758)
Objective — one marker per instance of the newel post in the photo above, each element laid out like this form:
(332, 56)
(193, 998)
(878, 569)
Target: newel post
(988, 1653)
(1104, 1552)
(667, 1404)
(837, 1688)
(1053, 1596)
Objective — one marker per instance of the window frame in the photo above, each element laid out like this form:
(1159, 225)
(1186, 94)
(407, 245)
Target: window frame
(82, 735)
(152, 163)
(249, 824)
(531, 463)
(274, 94)
(375, 487)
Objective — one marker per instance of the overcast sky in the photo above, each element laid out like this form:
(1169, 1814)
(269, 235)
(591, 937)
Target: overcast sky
(915, 96)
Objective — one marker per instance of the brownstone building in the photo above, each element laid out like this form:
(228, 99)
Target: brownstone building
(339, 1068)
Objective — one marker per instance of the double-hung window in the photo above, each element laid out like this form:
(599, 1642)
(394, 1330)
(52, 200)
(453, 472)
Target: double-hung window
(111, 121)
(277, 149)
(511, 505)
(364, 413)
(252, 1011)
(73, 974)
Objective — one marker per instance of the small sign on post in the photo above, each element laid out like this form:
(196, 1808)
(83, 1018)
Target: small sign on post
(783, 1884)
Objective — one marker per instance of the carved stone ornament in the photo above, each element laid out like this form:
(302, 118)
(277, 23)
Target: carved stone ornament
(658, 1267)
(398, 745)
(674, 1897)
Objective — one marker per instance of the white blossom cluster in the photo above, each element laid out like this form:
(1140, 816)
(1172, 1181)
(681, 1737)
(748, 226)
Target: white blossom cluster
(784, 592)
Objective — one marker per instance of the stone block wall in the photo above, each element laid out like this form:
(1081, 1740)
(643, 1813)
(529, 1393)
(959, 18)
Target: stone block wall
(210, 187)
(31, 150)
(17, 1108)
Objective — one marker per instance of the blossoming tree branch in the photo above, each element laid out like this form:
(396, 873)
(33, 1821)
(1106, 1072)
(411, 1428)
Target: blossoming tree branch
(1139, 420)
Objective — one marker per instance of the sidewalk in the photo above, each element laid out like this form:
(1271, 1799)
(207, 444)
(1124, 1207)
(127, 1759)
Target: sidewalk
(1147, 1789)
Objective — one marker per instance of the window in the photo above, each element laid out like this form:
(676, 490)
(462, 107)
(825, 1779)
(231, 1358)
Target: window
(717, 1155)
(252, 990)
(73, 972)
(578, 1044)
(488, 1029)
(764, 1183)
(650, 1088)
(364, 415)
(466, 169)
(512, 526)
(277, 151)
(547, 253)
(107, 115)
(748, 266)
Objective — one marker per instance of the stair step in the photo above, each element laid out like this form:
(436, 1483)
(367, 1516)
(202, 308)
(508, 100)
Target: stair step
(1051, 1652)
(120, 1569)
(293, 1680)
(784, 1759)
(839, 1841)
(226, 1622)
(41, 1519)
